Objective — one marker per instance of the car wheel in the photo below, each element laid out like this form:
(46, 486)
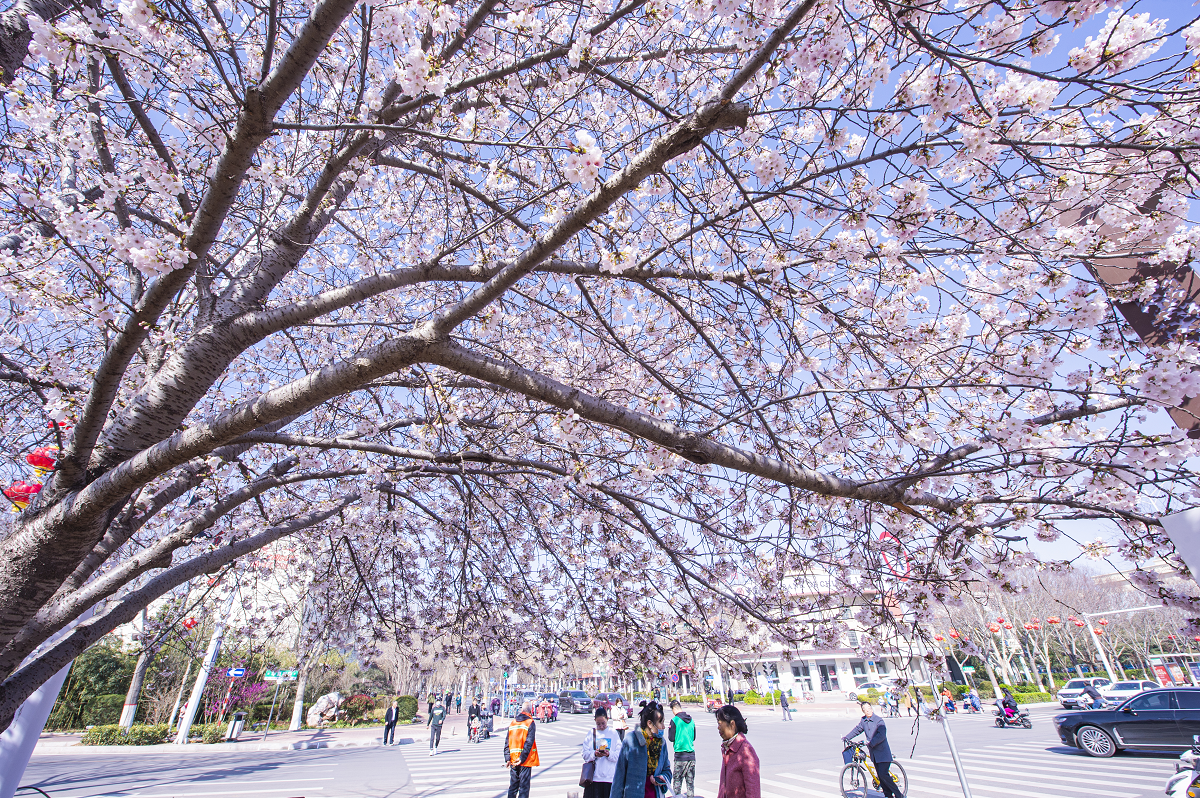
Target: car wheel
(1096, 742)
(854, 696)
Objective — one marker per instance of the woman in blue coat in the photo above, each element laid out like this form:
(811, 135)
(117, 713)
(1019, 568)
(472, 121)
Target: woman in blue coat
(643, 766)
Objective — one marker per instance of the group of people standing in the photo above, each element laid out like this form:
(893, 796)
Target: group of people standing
(636, 763)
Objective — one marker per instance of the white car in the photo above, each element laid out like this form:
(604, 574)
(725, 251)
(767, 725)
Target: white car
(882, 686)
(1069, 695)
(1119, 691)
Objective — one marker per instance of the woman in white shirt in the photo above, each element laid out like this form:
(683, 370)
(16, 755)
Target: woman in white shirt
(619, 716)
(600, 745)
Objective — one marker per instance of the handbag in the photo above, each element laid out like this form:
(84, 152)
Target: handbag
(588, 774)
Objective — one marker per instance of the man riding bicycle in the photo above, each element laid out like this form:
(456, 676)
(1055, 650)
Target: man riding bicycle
(875, 733)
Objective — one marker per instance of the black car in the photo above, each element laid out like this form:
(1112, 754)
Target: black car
(574, 701)
(1166, 718)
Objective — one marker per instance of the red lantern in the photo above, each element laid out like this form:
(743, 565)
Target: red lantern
(1037, 626)
(1028, 627)
(1007, 625)
(994, 627)
(42, 459)
(938, 638)
(21, 494)
(1072, 618)
(999, 620)
(1098, 631)
(1054, 619)
(189, 623)
(954, 633)
(1079, 622)
(1103, 622)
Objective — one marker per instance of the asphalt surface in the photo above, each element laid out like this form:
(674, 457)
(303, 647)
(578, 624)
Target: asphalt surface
(800, 759)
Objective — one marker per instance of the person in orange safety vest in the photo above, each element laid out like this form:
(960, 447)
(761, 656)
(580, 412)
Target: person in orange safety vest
(520, 752)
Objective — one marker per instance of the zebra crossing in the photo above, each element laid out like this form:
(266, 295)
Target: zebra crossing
(1014, 769)
(476, 770)
(1023, 770)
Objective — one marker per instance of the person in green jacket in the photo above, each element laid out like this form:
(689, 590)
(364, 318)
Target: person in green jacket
(682, 735)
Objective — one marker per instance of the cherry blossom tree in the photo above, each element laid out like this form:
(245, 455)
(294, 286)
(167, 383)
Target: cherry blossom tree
(519, 319)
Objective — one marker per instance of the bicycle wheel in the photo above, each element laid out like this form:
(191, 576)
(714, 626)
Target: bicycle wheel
(900, 777)
(855, 781)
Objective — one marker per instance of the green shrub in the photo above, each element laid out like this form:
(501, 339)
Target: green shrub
(1032, 698)
(358, 705)
(112, 734)
(871, 695)
(407, 706)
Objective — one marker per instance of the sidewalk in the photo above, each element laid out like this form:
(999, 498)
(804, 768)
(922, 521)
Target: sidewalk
(361, 736)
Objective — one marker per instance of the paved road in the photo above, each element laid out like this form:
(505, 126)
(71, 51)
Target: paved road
(800, 760)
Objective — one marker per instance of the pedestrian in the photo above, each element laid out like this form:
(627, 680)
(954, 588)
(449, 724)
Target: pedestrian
(437, 716)
(739, 761)
(682, 734)
(431, 699)
(520, 752)
(389, 723)
(495, 705)
(874, 732)
(783, 705)
(907, 700)
(458, 704)
(642, 767)
(600, 747)
(619, 716)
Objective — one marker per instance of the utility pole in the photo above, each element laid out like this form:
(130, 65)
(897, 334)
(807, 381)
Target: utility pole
(944, 722)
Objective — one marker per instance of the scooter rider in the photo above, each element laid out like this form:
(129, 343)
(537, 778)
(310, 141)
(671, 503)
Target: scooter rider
(1091, 692)
(1009, 705)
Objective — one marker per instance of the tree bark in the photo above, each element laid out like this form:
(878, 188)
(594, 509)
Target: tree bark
(134, 694)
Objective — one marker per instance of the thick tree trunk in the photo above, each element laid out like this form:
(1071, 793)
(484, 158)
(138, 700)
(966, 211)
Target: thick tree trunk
(298, 707)
(134, 694)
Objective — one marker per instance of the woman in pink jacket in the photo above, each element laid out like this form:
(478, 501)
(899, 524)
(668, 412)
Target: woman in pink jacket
(739, 763)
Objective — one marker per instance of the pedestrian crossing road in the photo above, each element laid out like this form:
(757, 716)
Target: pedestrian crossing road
(1011, 767)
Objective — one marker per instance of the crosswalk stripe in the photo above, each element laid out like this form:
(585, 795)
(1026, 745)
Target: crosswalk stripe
(1043, 774)
(973, 778)
(993, 760)
(1105, 766)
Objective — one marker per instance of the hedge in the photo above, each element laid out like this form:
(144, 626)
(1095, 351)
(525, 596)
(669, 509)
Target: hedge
(208, 733)
(113, 734)
(407, 706)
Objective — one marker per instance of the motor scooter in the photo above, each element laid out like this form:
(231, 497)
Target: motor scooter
(1186, 781)
(1019, 720)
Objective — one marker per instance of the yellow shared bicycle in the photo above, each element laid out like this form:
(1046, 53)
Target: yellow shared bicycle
(859, 779)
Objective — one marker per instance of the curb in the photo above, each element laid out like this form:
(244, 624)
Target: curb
(201, 748)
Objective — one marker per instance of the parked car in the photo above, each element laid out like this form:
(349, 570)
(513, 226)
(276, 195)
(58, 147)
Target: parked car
(574, 701)
(882, 686)
(1117, 692)
(609, 700)
(1163, 718)
(1069, 695)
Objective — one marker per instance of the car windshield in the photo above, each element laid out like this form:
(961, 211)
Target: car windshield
(1075, 684)
(1127, 686)
(578, 694)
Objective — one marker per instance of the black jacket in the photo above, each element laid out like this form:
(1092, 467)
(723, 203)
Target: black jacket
(874, 732)
(473, 711)
(389, 717)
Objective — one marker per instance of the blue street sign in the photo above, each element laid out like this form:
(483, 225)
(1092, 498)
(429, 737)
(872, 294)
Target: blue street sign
(235, 673)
